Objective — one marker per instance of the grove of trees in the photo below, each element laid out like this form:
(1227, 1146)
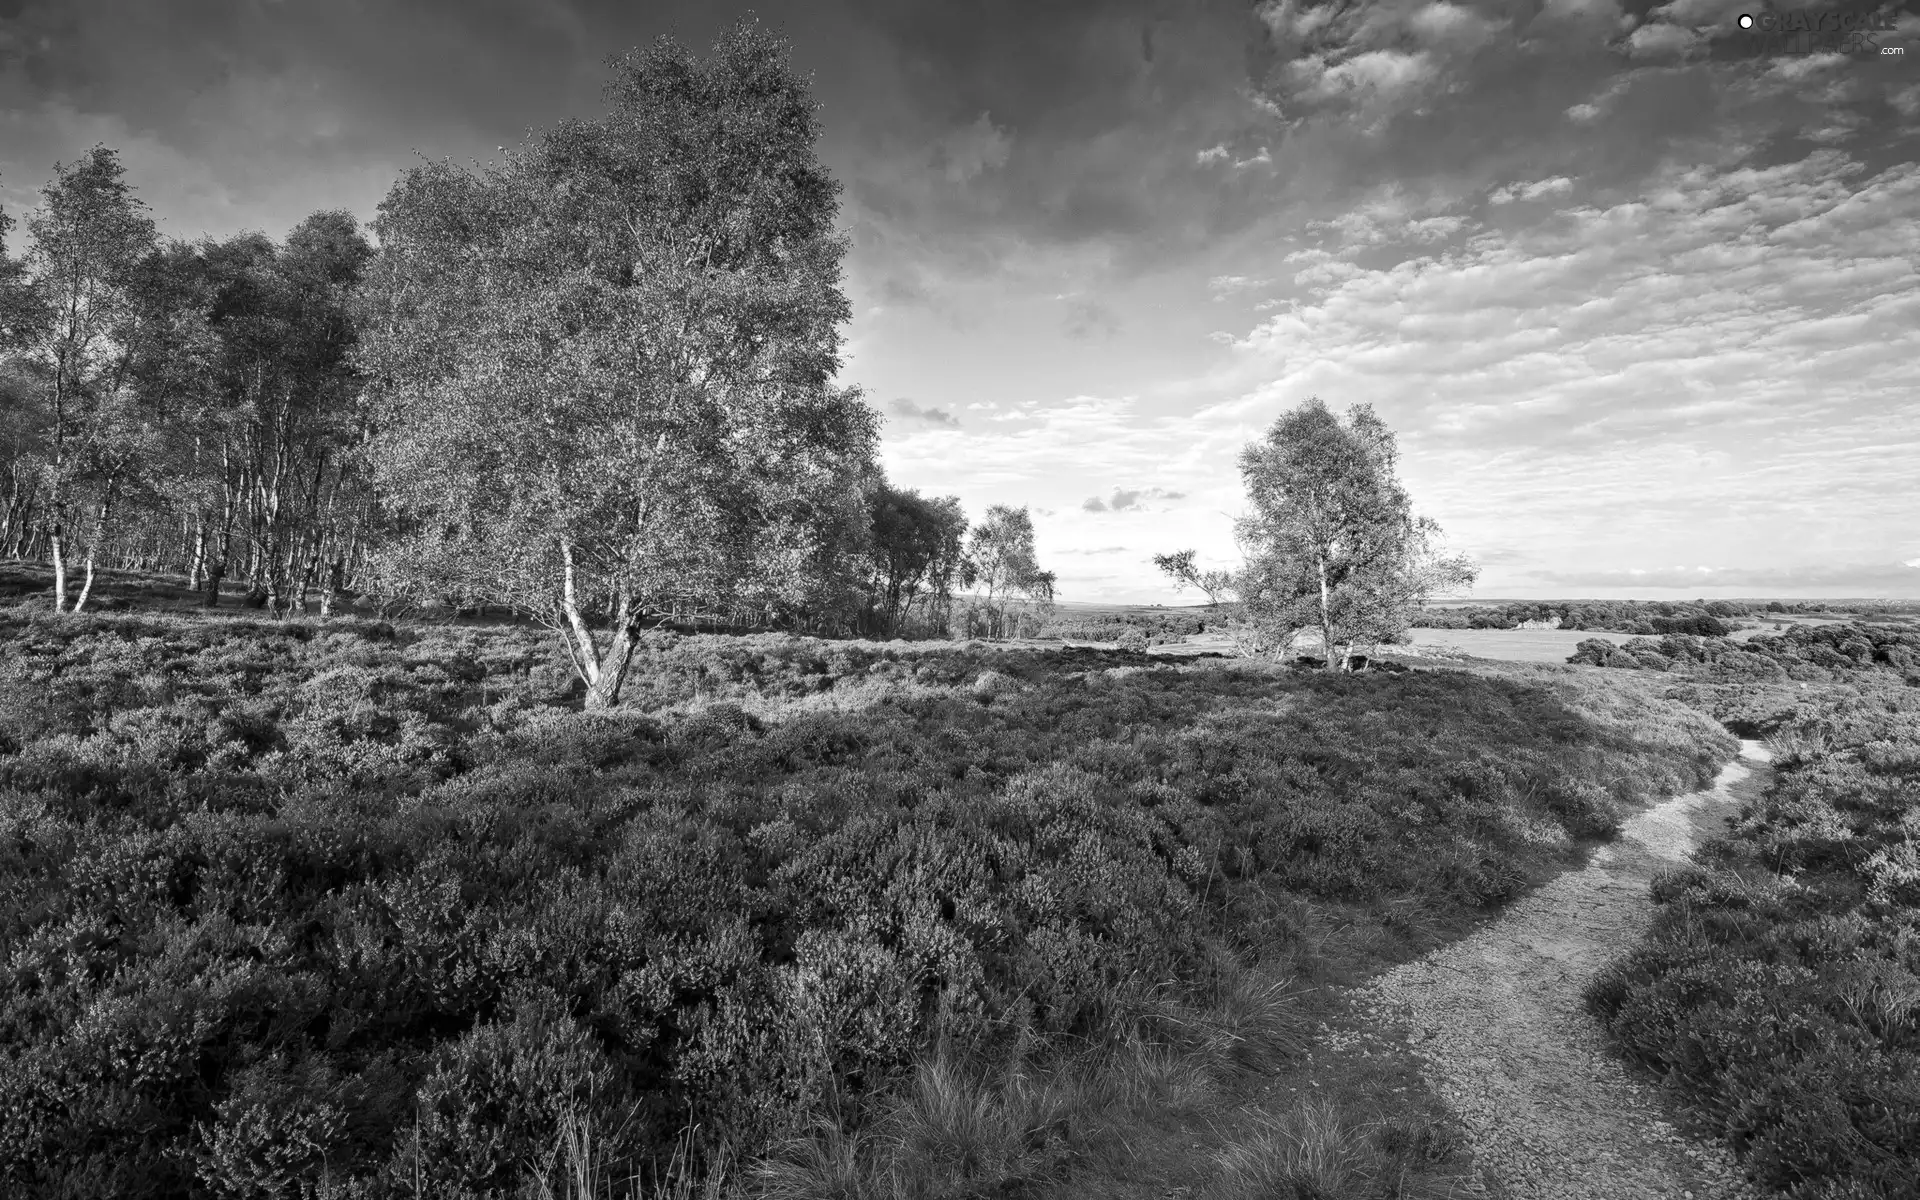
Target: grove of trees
(592, 383)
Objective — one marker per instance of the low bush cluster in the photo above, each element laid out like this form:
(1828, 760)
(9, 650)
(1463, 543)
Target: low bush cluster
(345, 909)
(1154, 629)
(1780, 985)
(1805, 653)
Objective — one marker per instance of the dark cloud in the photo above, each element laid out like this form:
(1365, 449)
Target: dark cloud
(908, 413)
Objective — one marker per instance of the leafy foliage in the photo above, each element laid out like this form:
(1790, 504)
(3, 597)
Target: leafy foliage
(1332, 542)
(604, 365)
(918, 556)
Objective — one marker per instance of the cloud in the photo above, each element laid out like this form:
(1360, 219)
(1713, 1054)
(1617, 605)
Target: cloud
(1130, 500)
(1088, 318)
(971, 149)
(1662, 41)
(1454, 26)
(1722, 357)
(1223, 286)
(1559, 185)
(908, 413)
(1900, 579)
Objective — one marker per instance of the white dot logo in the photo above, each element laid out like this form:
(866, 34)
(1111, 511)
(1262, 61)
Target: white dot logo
(1746, 20)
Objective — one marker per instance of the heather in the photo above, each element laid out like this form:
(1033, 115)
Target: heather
(1779, 988)
(374, 904)
(1802, 654)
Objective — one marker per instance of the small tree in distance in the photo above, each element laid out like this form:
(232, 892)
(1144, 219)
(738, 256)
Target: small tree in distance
(1332, 543)
(918, 547)
(1002, 561)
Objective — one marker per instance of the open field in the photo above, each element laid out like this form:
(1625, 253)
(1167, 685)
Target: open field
(1508, 645)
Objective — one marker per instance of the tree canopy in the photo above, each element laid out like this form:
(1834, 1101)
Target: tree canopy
(1332, 542)
(76, 322)
(603, 367)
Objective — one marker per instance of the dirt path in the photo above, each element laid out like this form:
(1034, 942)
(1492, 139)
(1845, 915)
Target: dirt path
(1498, 1024)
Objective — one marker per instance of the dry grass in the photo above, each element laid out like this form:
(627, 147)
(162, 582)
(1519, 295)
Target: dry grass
(1311, 1153)
(574, 1169)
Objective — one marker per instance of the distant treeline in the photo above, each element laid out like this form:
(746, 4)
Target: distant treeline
(1803, 652)
(1705, 618)
(592, 384)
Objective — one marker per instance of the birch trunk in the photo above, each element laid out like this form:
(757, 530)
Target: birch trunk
(603, 673)
(1326, 612)
(93, 543)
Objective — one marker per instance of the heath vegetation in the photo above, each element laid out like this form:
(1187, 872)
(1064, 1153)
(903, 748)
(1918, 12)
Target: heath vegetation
(350, 908)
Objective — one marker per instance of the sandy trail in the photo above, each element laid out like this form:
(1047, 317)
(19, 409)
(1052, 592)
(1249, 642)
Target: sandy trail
(1497, 1022)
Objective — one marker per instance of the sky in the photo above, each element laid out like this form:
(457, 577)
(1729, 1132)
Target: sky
(1640, 300)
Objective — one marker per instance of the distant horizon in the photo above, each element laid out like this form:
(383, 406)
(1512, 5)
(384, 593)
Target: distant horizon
(1491, 601)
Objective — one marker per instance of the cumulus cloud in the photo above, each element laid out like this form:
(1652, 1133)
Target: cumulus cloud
(906, 412)
(1453, 25)
(1661, 41)
(1732, 341)
(1130, 500)
(1223, 286)
(1559, 185)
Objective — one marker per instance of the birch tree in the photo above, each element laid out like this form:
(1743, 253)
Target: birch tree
(1332, 543)
(86, 240)
(23, 317)
(601, 367)
(1003, 561)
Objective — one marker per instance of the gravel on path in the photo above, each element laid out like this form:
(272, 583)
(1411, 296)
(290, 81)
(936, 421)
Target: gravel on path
(1501, 1033)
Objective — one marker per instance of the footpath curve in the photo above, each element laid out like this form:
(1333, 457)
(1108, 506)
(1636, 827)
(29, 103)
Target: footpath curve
(1497, 1023)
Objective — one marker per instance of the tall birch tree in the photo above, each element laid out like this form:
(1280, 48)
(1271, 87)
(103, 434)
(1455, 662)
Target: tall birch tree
(1332, 542)
(601, 367)
(86, 241)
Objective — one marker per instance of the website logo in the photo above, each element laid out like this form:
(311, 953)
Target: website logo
(1816, 31)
